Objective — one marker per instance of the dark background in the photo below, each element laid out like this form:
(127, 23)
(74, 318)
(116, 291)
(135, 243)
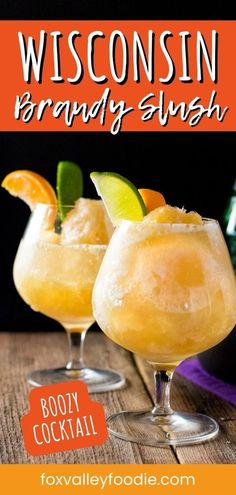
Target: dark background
(195, 170)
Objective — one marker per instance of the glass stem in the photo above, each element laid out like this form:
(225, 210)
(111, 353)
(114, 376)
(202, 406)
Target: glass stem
(162, 380)
(76, 347)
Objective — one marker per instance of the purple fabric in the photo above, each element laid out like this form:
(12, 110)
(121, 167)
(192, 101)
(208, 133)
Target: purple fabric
(193, 370)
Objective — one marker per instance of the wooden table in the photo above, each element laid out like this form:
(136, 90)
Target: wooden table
(21, 353)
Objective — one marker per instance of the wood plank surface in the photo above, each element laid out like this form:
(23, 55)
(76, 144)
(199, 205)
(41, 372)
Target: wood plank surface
(21, 353)
(187, 397)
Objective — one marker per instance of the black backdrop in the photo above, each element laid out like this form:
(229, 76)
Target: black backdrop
(195, 170)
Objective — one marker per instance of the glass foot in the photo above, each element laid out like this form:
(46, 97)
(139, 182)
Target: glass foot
(97, 380)
(159, 431)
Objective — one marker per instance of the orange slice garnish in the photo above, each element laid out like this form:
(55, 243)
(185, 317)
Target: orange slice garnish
(29, 186)
(152, 199)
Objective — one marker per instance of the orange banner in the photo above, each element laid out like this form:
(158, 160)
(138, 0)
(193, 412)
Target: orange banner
(118, 479)
(117, 76)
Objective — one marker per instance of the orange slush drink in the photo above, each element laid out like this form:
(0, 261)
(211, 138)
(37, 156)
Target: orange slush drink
(55, 272)
(166, 289)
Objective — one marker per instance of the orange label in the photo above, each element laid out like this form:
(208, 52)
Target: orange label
(117, 76)
(62, 417)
